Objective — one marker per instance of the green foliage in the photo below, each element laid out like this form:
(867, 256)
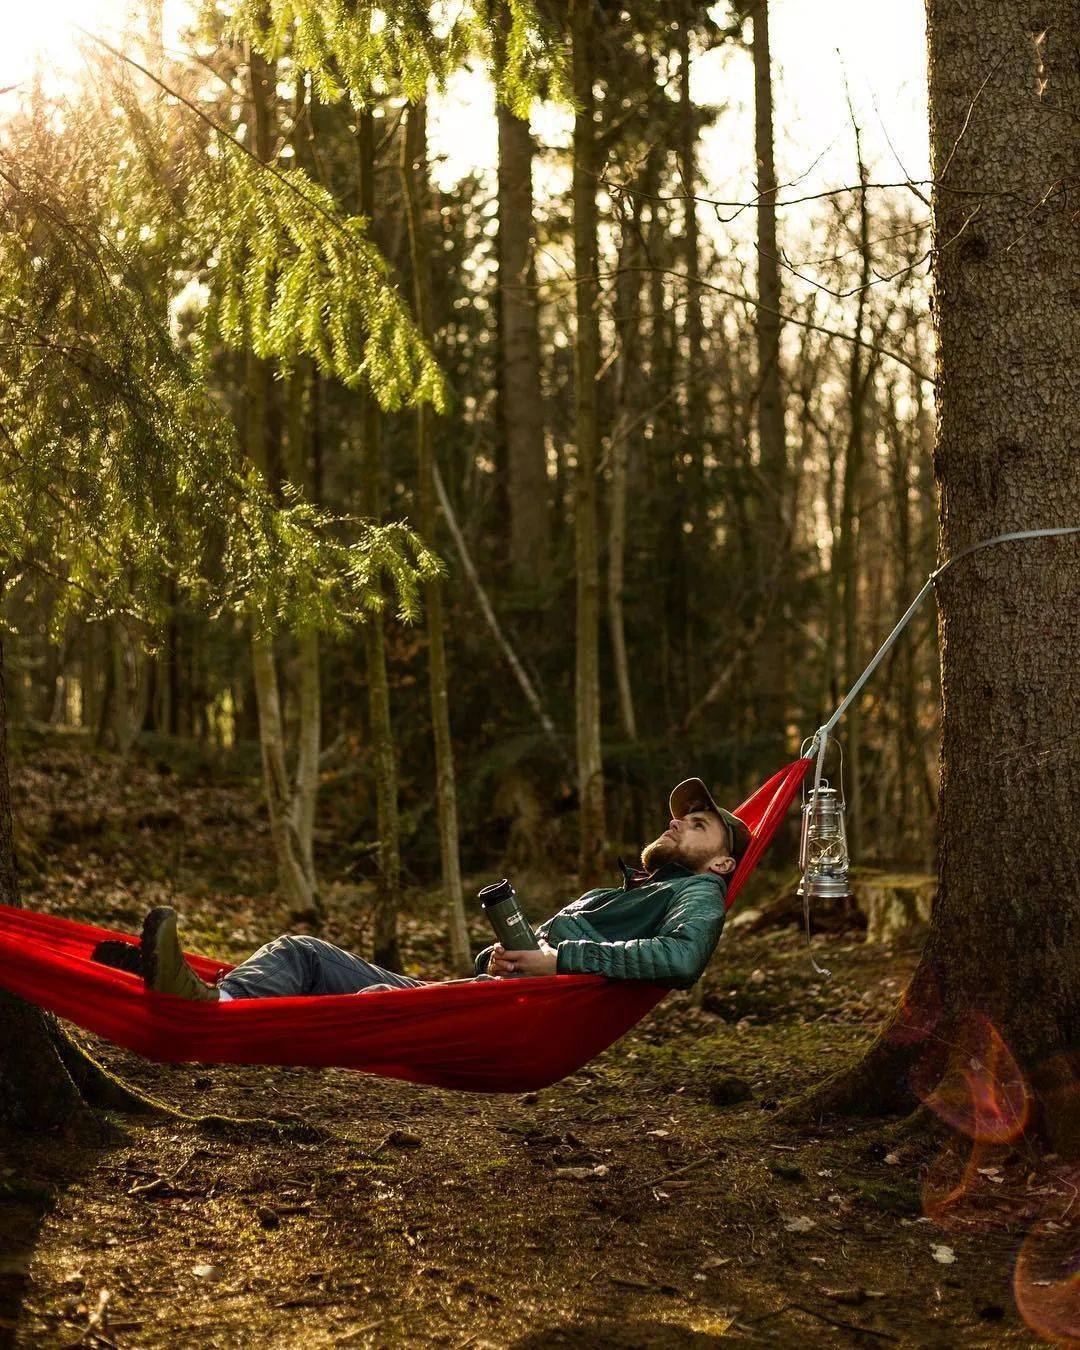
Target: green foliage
(357, 48)
(290, 274)
(118, 468)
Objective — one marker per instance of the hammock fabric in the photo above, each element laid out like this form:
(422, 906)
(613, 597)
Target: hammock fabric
(488, 1036)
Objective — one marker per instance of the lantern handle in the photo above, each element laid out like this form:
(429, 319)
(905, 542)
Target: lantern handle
(819, 779)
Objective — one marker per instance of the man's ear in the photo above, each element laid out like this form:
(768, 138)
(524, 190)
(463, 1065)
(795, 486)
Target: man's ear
(723, 865)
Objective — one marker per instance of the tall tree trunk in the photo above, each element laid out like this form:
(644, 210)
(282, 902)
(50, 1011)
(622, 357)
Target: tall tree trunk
(906, 747)
(385, 935)
(522, 399)
(626, 401)
(294, 858)
(1004, 941)
(36, 1090)
(414, 179)
(773, 527)
(586, 525)
(663, 479)
(860, 371)
(691, 451)
(308, 685)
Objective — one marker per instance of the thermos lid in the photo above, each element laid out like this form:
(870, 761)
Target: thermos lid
(498, 890)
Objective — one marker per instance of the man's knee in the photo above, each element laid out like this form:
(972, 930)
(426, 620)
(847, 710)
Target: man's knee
(292, 947)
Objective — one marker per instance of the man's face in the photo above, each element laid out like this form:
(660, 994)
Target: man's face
(693, 841)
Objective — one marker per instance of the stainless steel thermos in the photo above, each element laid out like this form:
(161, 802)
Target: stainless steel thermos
(500, 903)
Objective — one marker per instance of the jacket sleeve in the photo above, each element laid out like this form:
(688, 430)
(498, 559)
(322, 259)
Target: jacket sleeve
(676, 956)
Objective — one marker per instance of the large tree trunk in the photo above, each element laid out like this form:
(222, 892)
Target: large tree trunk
(36, 1090)
(414, 178)
(522, 400)
(1004, 941)
(586, 525)
(772, 536)
(384, 755)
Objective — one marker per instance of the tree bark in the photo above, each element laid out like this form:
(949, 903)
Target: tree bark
(860, 372)
(586, 526)
(307, 665)
(36, 1091)
(626, 401)
(772, 525)
(385, 935)
(1004, 940)
(522, 398)
(290, 806)
(690, 477)
(414, 180)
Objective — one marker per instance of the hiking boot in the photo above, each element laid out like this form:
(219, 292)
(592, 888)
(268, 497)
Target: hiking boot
(119, 955)
(163, 966)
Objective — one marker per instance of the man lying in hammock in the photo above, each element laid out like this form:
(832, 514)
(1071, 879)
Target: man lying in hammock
(661, 925)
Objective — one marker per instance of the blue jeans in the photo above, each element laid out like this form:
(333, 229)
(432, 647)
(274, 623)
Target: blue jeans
(294, 965)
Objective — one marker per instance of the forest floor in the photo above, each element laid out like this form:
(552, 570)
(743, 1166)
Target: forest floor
(653, 1199)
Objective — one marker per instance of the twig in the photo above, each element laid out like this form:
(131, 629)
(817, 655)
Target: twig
(689, 1167)
(823, 1317)
(839, 1322)
(520, 673)
(359, 1331)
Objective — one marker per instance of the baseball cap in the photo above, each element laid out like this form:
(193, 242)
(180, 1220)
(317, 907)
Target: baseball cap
(692, 794)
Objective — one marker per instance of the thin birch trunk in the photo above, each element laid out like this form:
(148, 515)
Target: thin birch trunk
(414, 181)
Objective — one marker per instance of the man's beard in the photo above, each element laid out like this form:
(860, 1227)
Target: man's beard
(661, 851)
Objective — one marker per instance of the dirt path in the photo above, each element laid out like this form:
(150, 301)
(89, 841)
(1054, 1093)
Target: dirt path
(651, 1200)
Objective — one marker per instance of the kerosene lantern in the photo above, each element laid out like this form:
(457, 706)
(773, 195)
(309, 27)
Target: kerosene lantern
(823, 850)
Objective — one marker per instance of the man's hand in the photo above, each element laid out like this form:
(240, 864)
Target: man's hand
(542, 962)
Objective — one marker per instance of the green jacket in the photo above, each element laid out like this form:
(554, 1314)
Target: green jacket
(661, 926)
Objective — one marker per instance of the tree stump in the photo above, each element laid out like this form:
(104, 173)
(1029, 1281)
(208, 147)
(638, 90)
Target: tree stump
(895, 904)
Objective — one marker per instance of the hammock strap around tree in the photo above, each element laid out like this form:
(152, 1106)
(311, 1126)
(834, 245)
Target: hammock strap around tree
(479, 1036)
(820, 740)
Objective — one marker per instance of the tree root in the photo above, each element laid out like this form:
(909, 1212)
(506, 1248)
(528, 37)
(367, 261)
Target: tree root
(99, 1088)
(875, 1086)
(30, 1056)
(241, 1129)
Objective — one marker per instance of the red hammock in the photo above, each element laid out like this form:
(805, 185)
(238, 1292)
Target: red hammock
(490, 1036)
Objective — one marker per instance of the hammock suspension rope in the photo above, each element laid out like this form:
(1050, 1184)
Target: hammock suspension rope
(820, 739)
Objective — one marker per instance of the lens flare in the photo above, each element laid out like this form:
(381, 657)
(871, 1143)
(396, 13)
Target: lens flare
(917, 1013)
(952, 1176)
(983, 1092)
(1046, 1282)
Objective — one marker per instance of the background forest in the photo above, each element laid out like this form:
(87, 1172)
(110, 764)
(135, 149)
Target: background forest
(427, 433)
(672, 451)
